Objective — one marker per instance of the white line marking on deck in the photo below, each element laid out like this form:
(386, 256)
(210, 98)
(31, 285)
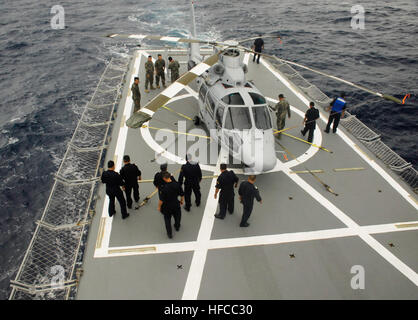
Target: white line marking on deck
(385, 253)
(191, 289)
(378, 169)
(149, 140)
(119, 152)
(273, 239)
(192, 92)
(306, 155)
(302, 236)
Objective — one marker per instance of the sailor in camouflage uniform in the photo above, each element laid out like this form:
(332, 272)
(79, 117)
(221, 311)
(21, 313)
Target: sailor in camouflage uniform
(136, 95)
(159, 71)
(149, 74)
(174, 67)
(282, 108)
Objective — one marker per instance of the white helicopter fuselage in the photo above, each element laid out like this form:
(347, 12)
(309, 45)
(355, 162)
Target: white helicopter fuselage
(236, 113)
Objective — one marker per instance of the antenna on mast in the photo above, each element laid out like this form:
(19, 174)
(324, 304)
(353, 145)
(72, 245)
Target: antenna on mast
(193, 19)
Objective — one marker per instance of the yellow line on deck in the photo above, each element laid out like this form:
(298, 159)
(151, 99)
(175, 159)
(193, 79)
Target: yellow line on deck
(100, 233)
(178, 113)
(307, 171)
(406, 225)
(312, 144)
(143, 249)
(349, 169)
(285, 129)
(152, 180)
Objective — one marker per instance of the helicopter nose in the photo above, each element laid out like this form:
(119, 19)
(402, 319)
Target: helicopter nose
(261, 156)
(269, 152)
(269, 157)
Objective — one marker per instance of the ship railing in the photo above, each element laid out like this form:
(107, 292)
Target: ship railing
(51, 267)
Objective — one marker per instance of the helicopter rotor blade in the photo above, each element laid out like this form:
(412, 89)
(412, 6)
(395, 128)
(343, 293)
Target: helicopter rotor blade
(254, 38)
(164, 38)
(227, 43)
(382, 95)
(146, 113)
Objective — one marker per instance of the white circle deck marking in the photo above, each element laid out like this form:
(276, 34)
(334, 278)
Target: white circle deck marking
(280, 166)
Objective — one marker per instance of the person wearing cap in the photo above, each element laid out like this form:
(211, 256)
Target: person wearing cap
(174, 67)
(337, 106)
(310, 121)
(113, 182)
(131, 174)
(282, 108)
(226, 183)
(158, 179)
(136, 95)
(149, 74)
(192, 175)
(159, 71)
(169, 204)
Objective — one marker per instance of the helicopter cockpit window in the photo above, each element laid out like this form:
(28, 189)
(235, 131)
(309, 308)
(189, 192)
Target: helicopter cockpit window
(262, 118)
(238, 118)
(257, 98)
(202, 92)
(233, 99)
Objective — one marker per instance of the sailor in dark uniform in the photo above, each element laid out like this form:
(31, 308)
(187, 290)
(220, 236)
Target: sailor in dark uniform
(258, 47)
(226, 182)
(131, 174)
(192, 175)
(310, 116)
(158, 179)
(113, 183)
(169, 204)
(247, 192)
(337, 106)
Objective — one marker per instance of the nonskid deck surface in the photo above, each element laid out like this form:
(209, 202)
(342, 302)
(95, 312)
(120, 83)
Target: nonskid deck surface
(303, 241)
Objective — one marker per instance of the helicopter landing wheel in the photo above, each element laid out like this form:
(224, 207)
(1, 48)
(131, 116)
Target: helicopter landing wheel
(196, 120)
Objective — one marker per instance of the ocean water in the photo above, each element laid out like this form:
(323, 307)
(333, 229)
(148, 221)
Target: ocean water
(47, 76)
